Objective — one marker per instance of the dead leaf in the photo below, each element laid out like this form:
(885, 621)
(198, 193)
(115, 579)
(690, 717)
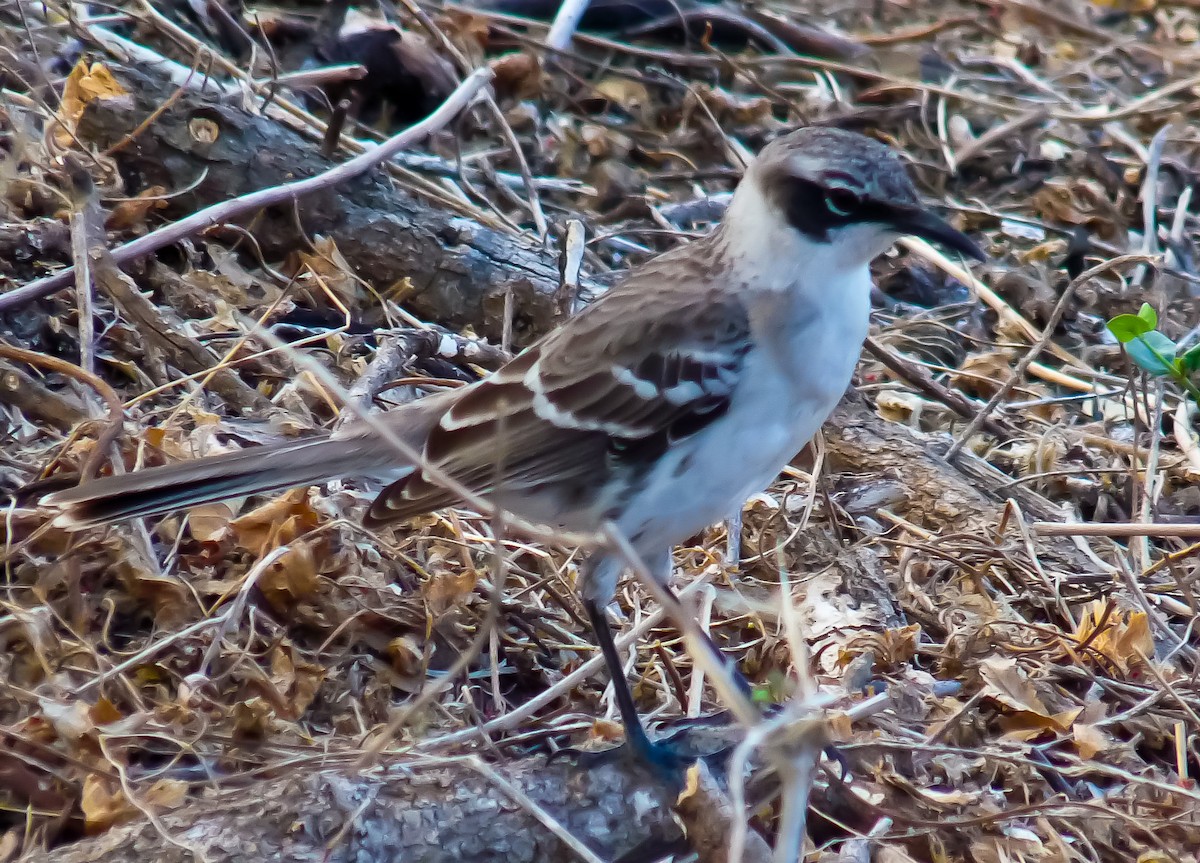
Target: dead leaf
(1007, 684)
(517, 76)
(85, 84)
(625, 93)
(727, 107)
(209, 522)
(71, 721)
(984, 373)
(1090, 740)
(104, 712)
(325, 270)
(275, 523)
(105, 804)
(1125, 638)
(446, 588)
(293, 577)
(295, 677)
(253, 717)
(132, 212)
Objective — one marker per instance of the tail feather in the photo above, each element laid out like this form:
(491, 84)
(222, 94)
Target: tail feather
(257, 470)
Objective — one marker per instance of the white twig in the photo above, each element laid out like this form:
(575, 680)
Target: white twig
(570, 13)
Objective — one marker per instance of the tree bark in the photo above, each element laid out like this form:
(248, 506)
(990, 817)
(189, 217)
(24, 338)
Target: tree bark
(460, 270)
(422, 810)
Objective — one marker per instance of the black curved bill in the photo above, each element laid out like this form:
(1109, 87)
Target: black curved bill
(927, 226)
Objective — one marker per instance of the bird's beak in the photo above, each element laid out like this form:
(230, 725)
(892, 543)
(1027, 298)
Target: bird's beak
(927, 226)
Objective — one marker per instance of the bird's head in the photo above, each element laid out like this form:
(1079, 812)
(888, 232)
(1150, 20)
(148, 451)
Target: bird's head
(830, 194)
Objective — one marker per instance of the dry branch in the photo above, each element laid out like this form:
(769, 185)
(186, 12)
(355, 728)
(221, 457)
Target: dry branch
(459, 271)
(425, 810)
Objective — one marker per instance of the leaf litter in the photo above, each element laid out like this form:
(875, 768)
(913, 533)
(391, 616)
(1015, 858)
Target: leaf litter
(1035, 714)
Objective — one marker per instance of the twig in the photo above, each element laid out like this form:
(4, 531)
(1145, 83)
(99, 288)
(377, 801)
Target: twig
(233, 615)
(37, 401)
(514, 717)
(1032, 354)
(917, 376)
(115, 410)
(566, 21)
(1116, 530)
(87, 227)
(286, 193)
(1150, 199)
(570, 263)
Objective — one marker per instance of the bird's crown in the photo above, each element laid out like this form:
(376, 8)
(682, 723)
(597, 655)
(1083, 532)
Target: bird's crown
(838, 160)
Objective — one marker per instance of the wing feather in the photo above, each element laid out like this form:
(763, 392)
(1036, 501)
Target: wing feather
(644, 366)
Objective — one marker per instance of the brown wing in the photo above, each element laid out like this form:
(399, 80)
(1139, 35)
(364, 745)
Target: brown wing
(645, 365)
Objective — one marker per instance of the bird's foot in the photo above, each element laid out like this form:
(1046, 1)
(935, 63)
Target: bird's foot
(662, 758)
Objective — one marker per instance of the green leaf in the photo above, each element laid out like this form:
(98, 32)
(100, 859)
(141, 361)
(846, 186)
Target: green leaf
(1128, 327)
(1147, 314)
(1153, 352)
(1190, 361)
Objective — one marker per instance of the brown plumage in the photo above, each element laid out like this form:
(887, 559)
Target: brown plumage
(642, 329)
(714, 361)
(656, 411)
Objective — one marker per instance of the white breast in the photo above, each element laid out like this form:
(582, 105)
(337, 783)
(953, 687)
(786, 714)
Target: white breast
(804, 357)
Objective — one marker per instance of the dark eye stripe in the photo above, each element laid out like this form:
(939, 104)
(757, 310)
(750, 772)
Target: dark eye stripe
(803, 203)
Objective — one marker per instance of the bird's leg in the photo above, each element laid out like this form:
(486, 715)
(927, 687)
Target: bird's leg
(636, 738)
(598, 582)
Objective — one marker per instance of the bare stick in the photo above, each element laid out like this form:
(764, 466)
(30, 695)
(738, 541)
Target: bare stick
(1119, 530)
(566, 21)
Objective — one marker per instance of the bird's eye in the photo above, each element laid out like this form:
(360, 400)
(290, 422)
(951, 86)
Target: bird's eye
(842, 202)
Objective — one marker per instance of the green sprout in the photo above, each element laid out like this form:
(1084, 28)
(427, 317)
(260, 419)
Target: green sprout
(1154, 352)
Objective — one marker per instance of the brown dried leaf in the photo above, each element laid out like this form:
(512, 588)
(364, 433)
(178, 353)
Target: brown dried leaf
(275, 523)
(71, 722)
(1006, 683)
(252, 717)
(517, 76)
(446, 588)
(294, 576)
(131, 213)
(625, 93)
(105, 804)
(983, 374)
(84, 85)
(1125, 638)
(1090, 740)
(325, 269)
(296, 678)
(730, 107)
(209, 522)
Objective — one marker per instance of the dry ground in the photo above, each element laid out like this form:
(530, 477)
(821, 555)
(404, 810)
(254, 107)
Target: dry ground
(1043, 692)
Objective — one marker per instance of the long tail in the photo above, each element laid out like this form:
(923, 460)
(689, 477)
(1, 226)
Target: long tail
(256, 470)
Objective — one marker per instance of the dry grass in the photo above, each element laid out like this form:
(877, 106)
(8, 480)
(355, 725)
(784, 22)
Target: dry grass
(1036, 714)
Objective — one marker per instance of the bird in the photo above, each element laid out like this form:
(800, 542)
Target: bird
(658, 409)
